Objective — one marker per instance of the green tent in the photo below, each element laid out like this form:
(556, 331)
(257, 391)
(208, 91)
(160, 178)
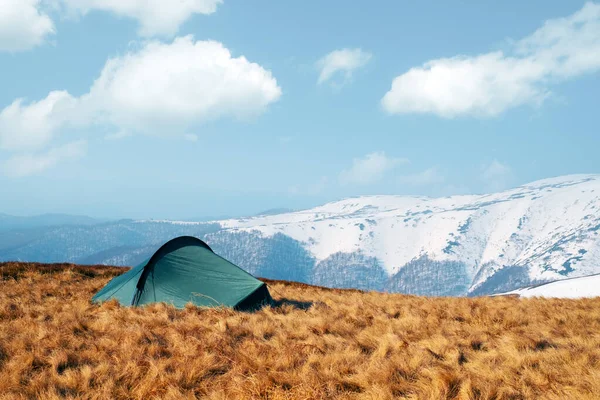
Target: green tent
(185, 270)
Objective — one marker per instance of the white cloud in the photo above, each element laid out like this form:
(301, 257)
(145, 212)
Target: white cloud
(312, 189)
(168, 87)
(32, 163)
(491, 83)
(160, 89)
(23, 25)
(344, 61)
(370, 168)
(190, 137)
(427, 177)
(156, 17)
(32, 126)
(496, 176)
(495, 169)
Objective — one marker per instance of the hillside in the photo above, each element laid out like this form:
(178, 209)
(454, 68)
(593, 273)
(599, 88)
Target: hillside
(452, 246)
(315, 343)
(574, 288)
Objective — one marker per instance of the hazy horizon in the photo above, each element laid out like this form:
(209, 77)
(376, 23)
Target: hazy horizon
(214, 217)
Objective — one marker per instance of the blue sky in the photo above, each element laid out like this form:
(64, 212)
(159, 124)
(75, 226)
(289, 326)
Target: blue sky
(231, 107)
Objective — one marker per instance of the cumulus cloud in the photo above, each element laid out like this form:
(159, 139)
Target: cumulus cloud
(33, 125)
(190, 137)
(312, 189)
(426, 177)
(496, 176)
(156, 17)
(25, 164)
(370, 168)
(23, 25)
(344, 61)
(489, 84)
(160, 89)
(165, 88)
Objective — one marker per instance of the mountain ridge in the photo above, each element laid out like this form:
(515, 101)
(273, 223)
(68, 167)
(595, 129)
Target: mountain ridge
(486, 233)
(455, 245)
(8, 221)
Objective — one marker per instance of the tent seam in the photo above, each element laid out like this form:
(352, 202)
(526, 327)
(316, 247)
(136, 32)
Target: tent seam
(124, 283)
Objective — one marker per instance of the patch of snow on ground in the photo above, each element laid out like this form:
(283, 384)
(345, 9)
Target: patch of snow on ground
(587, 286)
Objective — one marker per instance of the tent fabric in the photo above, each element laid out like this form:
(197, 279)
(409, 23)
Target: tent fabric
(186, 270)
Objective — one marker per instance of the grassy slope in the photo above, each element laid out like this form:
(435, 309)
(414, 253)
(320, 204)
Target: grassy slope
(347, 344)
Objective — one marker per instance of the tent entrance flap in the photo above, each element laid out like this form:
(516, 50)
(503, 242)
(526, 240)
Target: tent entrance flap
(136, 297)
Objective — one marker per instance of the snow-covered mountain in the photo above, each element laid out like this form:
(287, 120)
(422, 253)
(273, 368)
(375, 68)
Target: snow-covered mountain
(458, 245)
(570, 288)
(543, 231)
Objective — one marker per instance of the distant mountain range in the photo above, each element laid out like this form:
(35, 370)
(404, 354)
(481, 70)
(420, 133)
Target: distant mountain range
(459, 245)
(9, 222)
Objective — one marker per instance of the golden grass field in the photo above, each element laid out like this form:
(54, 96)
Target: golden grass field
(315, 344)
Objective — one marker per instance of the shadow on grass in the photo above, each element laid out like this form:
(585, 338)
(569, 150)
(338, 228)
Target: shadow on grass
(301, 305)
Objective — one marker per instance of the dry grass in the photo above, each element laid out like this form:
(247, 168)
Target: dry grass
(347, 344)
